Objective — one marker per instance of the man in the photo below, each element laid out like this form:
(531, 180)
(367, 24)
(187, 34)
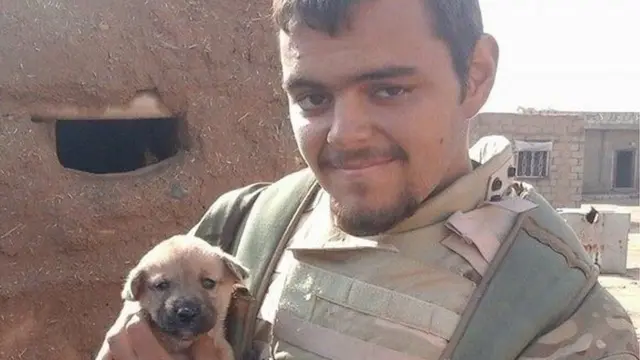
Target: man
(392, 258)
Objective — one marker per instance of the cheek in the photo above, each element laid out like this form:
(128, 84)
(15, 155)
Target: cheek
(146, 300)
(310, 137)
(154, 306)
(429, 136)
(219, 303)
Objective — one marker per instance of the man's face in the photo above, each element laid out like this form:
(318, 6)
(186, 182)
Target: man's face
(376, 112)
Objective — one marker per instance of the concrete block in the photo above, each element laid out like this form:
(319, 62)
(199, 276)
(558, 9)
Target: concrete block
(606, 239)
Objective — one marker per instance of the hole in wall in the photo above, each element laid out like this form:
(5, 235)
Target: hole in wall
(115, 139)
(113, 146)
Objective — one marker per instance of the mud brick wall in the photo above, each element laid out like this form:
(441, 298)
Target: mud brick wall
(67, 237)
(563, 186)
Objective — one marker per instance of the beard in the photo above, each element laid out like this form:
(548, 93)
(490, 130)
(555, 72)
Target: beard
(360, 220)
(367, 222)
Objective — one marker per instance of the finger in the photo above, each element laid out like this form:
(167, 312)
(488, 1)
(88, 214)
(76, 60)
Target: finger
(120, 347)
(117, 346)
(129, 309)
(144, 343)
(204, 349)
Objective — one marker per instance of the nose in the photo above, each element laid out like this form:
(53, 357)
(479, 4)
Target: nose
(187, 312)
(351, 126)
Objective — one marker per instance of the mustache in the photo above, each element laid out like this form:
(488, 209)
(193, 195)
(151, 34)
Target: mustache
(341, 159)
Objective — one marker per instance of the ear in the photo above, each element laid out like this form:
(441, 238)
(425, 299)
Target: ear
(133, 285)
(483, 66)
(239, 271)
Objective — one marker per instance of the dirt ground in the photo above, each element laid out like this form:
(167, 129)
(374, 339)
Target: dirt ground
(67, 238)
(627, 288)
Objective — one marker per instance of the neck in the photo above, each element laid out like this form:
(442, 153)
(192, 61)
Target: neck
(457, 170)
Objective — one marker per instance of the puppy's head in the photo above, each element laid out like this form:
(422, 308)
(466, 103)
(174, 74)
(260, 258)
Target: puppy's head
(184, 285)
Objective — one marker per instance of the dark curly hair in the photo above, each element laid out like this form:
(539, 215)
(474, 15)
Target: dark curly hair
(457, 22)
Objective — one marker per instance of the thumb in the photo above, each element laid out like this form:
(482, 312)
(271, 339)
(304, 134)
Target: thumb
(205, 349)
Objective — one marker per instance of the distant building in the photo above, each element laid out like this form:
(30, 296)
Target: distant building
(570, 156)
(611, 154)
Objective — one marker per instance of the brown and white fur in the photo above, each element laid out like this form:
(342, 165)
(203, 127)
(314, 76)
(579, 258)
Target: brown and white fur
(184, 287)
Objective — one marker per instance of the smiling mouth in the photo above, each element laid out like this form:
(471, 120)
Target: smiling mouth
(362, 165)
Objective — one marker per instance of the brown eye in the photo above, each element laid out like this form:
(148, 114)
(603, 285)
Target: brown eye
(161, 285)
(312, 102)
(390, 92)
(208, 283)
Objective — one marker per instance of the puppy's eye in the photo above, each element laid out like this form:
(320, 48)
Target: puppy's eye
(161, 285)
(208, 283)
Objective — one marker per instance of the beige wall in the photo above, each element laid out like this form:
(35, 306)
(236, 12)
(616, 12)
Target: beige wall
(600, 149)
(563, 186)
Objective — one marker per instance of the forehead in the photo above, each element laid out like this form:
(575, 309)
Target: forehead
(184, 261)
(381, 33)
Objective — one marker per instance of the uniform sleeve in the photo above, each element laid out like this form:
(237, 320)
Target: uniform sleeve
(229, 206)
(600, 329)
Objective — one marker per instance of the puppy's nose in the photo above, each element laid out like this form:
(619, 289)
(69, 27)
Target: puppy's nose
(187, 313)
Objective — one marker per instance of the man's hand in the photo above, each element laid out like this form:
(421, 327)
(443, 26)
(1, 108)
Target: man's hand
(130, 338)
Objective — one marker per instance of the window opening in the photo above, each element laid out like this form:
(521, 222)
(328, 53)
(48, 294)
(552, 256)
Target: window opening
(532, 164)
(111, 146)
(624, 174)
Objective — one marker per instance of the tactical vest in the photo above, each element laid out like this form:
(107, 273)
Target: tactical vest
(538, 273)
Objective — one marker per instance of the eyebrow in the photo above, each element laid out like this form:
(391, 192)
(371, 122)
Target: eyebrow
(377, 74)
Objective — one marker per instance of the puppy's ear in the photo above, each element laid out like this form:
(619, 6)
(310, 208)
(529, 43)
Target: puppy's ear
(133, 285)
(239, 271)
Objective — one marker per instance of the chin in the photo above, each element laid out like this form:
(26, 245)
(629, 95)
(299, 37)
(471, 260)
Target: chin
(367, 209)
(359, 218)
(358, 202)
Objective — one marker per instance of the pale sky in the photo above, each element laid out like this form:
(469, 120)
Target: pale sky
(571, 55)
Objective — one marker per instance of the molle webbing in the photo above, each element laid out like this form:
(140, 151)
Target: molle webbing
(533, 280)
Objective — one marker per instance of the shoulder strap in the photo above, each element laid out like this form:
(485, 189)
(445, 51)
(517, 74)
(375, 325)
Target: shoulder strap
(271, 218)
(264, 238)
(538, 277)
(253, 223)
(219, 224)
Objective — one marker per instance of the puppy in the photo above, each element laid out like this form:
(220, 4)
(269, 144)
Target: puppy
(184, 287)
